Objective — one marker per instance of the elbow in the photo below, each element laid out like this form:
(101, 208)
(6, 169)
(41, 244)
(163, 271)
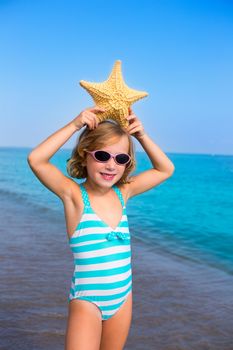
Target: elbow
(31, 159)
(171, 170)
(34, 161)
(30, 162)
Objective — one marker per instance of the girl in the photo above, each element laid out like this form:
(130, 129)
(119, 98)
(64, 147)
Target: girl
(100, 298)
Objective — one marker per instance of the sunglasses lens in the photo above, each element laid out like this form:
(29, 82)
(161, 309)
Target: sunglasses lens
(122, 158)
(102, 156)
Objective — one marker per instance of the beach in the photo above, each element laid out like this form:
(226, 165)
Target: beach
(177, 304)
(162, 70)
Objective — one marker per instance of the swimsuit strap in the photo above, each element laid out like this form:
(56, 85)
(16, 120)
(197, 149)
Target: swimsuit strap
(118, 192)
(85, 196)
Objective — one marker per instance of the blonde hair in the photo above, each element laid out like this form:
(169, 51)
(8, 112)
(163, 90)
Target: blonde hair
(107, 132)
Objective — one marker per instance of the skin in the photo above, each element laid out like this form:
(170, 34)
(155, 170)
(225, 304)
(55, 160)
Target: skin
(95, 182)
(85, 329)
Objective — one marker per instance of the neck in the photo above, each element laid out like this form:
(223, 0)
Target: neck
(98, 190)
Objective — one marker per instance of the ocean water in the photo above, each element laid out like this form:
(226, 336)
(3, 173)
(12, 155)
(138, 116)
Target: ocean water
(181, 257)
(190, 215)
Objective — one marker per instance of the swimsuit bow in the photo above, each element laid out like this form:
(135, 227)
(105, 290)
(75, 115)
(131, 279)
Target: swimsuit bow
(116, 235)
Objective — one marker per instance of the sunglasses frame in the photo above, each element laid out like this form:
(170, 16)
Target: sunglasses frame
(111, 156)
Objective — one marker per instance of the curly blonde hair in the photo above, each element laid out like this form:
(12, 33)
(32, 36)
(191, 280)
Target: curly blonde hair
(107, 132)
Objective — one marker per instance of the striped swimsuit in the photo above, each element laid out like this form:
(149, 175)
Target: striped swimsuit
(102, 259)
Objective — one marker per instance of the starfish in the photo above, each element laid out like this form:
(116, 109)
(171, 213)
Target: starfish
(114, 96)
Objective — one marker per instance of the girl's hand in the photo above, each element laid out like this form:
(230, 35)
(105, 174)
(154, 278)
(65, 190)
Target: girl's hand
(88, 117)
(135, 127)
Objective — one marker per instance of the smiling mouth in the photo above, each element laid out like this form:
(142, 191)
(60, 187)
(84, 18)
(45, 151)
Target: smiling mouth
(107, 176)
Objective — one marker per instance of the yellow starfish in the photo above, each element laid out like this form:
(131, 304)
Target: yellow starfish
(113, 95)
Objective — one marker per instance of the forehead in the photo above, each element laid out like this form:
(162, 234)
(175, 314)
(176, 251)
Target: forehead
(120, 145)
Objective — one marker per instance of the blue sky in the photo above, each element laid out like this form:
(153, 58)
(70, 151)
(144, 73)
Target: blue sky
(180, 52)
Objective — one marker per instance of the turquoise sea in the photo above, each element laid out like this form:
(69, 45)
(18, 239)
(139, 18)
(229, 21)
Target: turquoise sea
(190, 214)
(182, 257)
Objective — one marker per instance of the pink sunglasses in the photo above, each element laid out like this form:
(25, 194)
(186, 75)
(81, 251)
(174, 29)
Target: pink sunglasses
(104, 156)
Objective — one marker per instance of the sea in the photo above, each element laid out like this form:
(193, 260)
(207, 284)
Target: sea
(182, 236)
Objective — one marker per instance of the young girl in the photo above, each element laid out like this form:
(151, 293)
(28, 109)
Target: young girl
(100, 298)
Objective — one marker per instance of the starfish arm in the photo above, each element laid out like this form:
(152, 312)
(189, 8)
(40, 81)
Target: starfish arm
(113, 95)
(115, 78)
(93, 89)
(135, 95)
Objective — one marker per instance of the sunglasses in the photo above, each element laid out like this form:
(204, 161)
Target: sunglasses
(104, 156)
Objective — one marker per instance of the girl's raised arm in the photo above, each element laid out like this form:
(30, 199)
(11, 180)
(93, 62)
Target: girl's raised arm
(38, 158)
(162, 169)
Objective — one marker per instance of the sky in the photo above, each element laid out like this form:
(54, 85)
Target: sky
(180, 52)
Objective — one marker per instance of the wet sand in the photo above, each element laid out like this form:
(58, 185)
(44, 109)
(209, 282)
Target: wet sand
(177, 304)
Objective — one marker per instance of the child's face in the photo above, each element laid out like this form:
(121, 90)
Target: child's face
(96, 170)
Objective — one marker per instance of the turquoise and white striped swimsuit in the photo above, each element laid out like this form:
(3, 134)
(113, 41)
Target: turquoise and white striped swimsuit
(102, 258)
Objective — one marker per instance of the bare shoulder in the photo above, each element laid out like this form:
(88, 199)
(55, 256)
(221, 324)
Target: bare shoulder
(73, 207)
(73, 194)
(145, 181)
(125, 191)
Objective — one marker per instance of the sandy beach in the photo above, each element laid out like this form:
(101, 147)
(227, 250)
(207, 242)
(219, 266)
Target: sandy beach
(177, 305)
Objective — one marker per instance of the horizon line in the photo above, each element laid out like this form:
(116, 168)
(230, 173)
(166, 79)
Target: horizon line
(136, 151)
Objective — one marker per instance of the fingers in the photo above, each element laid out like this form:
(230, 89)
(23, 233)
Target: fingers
(133, 125)
(91, 118)
(134, 129)
(96, 109)
(137, 131)
(131, 115)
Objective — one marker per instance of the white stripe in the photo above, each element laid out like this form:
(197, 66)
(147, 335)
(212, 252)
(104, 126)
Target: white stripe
(103, 279)
(97, 230)
(111, 312)
(95, 241)
(111, 302)
(102, 252)
(104, 292)
(81, 244)
(90, 216)
(103, 266)
(93, 216)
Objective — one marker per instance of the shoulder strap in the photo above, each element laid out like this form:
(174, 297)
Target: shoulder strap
(118, 192)
(85, 196)
(86, 200)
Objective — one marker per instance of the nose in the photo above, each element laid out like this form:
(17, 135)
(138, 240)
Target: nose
(111, 163)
